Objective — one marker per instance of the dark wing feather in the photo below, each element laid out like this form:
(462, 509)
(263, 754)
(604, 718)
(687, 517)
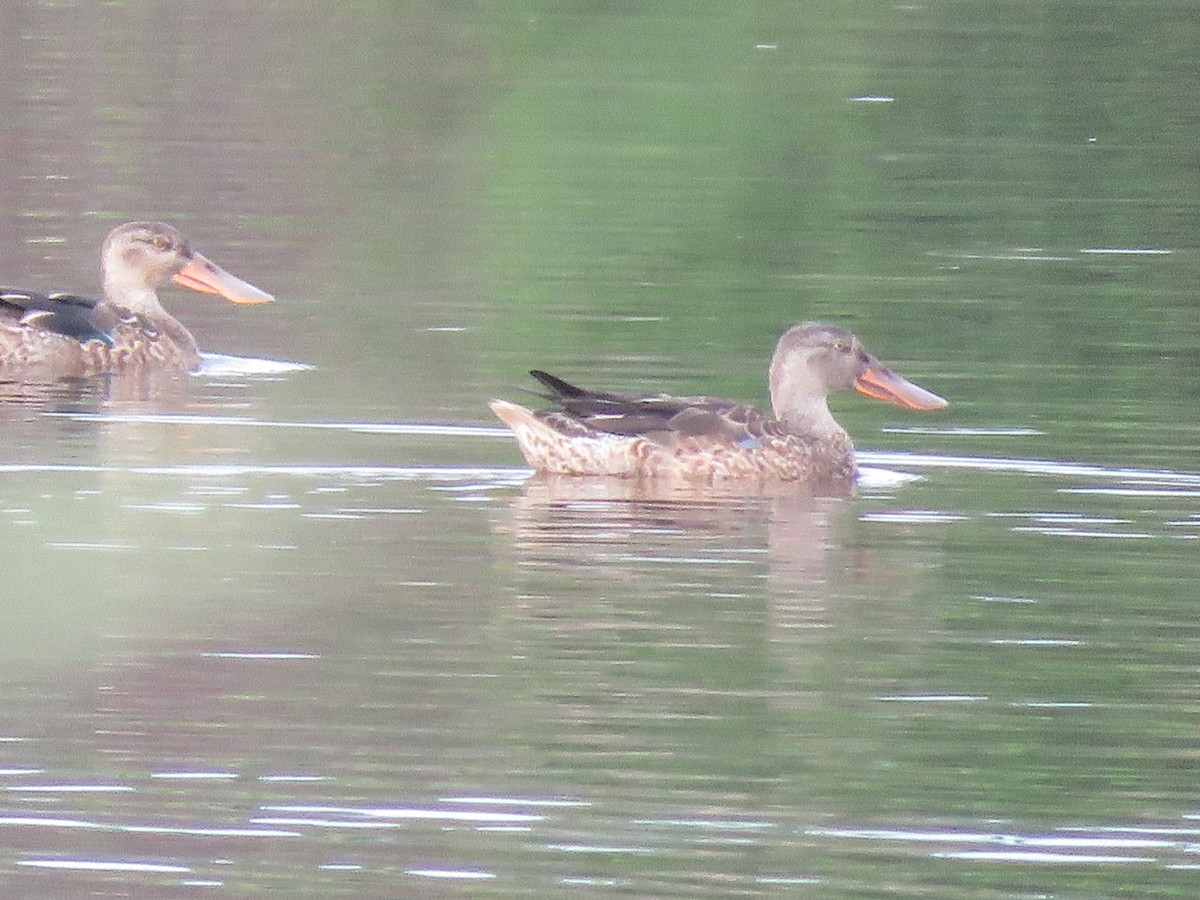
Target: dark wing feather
(628, 414)
(66, 314)
(657, 415)
(558, 387)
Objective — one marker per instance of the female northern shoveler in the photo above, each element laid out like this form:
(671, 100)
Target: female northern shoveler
(127, 330)
(706, 440)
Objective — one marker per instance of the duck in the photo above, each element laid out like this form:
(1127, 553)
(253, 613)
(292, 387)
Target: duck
(69, 335)
(705, 440)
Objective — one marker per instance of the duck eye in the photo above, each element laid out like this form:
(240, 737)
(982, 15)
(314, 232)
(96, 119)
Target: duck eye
(160, 243)
(841, 346)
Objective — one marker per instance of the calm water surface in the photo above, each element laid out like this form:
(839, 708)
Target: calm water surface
(310, 629)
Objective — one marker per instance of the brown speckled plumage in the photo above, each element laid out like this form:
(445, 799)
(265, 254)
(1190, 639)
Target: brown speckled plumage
(702, 440)
(127, 330)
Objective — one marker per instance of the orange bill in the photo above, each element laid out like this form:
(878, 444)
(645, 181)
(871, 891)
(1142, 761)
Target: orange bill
(882, 383)
(201, 274)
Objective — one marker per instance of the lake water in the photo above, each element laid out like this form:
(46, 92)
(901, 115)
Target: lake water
(302, 625)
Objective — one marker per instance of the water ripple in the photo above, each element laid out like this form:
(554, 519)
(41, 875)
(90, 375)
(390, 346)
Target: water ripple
(1068, 845)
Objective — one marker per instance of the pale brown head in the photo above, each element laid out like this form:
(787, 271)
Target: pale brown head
(814, 360)
(140, 257)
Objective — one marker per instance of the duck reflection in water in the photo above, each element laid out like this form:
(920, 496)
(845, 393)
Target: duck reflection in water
(600, 560)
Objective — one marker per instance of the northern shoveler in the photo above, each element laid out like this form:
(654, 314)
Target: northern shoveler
(69, 335)
(705, 440)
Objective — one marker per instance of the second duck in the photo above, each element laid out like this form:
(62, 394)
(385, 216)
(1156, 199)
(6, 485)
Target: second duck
(706, 440)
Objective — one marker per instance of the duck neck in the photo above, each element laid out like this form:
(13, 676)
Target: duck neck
(809, 416)
(133, 294)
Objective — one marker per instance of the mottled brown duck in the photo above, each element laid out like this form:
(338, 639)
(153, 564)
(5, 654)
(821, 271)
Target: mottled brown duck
(703, 440)
(128, 330)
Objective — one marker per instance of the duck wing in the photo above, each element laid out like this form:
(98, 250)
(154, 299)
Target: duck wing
(80, 318)
(658, 417)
